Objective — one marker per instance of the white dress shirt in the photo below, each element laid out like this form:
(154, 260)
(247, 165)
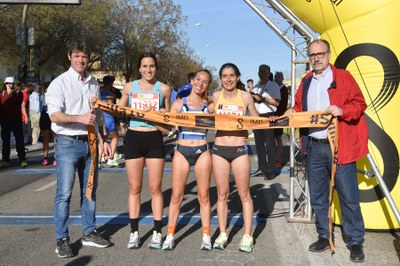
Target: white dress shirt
(70, 95)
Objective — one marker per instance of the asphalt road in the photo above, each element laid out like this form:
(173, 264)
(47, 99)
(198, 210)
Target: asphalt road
(28, 238)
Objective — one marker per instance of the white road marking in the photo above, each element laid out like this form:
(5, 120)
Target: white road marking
(49, 185)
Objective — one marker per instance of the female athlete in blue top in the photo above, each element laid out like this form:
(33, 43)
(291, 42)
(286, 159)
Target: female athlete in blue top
(144, 146)
(191, 150)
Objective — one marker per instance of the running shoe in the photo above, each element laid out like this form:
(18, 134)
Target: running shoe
(134, 240)
(169, 243)
(94, 239)
(63, 248)
(246, 245)
(221, 241)
(206, 242)
(45, 162)
(117, 156)
(156, 241)
(4, 163)
(55, 163)
(112, 163)
(24, 164)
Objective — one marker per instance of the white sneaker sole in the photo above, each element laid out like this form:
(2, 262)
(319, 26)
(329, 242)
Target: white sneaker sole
(208, 248)
(91, 244)
(65, 256)
(219, 246)
(168, 248)
(155, 246)
(246, 250)
(133, 246)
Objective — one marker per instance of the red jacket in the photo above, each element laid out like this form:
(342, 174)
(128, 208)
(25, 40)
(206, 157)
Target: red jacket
(346, 94)
(10, 105)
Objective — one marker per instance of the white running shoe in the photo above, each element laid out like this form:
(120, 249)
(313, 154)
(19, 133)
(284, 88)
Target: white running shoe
(246, 245)
(221, 241)
(112, 163)
(169, 243)
(117, 156)
(206, 242)
(134, 240)
(156, 241)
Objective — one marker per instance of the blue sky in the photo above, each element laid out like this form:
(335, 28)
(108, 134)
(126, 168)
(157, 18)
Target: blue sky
(231, 31)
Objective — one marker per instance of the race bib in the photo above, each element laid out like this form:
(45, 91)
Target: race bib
(141, 101)
(230, 109)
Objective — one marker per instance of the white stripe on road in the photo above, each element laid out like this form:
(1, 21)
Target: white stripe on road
(49, 185)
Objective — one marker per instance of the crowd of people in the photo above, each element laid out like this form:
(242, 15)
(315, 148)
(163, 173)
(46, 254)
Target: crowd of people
(68, 115)
(24, 118)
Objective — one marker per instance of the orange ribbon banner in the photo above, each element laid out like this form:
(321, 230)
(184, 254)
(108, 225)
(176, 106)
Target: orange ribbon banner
(92, 137)
(220, 122)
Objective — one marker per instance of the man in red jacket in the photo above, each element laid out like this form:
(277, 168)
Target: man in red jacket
(336, 91)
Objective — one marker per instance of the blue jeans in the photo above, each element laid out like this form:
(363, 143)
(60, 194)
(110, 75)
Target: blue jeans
(73, 156)
(319, 166)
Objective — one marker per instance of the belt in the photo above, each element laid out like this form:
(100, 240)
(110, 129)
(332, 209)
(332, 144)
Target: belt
(321, 141)
(78, 137)
(268, 114)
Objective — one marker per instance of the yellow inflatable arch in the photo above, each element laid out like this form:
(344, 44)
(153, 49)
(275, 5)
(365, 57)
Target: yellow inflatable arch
(364, 38)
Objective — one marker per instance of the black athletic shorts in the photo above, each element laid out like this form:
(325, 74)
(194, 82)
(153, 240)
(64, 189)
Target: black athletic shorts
(44, 121)
(144, 144)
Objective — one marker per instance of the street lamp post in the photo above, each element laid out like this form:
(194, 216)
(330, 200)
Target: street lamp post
(24, 43)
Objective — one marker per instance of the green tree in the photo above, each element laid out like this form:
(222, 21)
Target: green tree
(146, 25)
(118, 32)
(54, 26)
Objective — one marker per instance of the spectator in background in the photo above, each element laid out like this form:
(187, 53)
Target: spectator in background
(184, 91)
(280, 110)
(110, 94)
(11, 102)
(45, 128)
(250, 85)
(267, 96)
(34, 113)
(174, 92)
(24, 88)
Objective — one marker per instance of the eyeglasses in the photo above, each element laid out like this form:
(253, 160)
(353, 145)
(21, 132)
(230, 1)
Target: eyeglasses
(317, 55)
